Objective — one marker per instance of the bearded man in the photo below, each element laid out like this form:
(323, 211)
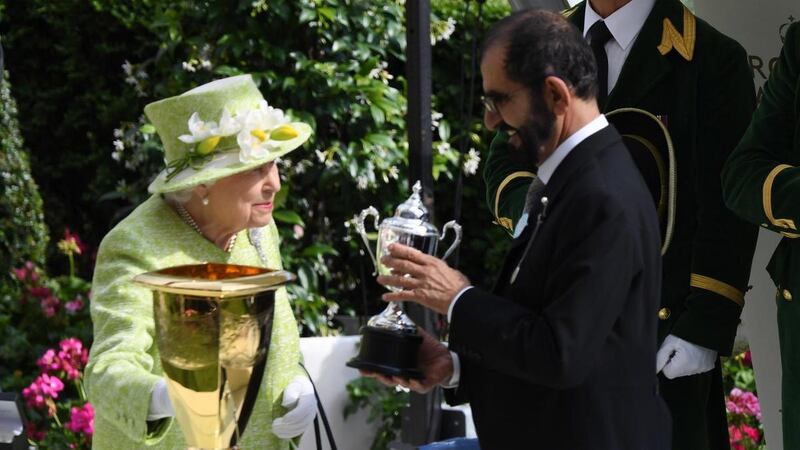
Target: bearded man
(560, 354)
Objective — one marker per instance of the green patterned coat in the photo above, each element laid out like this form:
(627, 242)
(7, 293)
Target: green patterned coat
(124, 365)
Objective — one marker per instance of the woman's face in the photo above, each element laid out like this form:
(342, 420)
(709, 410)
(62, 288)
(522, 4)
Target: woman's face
(244, 200)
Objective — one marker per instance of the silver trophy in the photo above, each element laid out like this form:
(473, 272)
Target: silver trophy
(390, 340)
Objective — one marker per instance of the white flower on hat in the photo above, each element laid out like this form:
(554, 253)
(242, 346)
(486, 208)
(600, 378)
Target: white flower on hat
(200, 130)
(256, 137)
(203, 132)
(228, 125)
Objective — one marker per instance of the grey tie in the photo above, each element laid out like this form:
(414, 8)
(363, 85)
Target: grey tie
(534, 195)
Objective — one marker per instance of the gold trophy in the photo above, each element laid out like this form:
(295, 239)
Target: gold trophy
(213, 328)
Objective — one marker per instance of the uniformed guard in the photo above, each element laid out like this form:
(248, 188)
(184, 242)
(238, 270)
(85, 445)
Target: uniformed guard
(761, 183)
(662, 59)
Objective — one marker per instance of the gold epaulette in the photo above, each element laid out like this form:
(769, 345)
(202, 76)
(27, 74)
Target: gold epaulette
(682, 43)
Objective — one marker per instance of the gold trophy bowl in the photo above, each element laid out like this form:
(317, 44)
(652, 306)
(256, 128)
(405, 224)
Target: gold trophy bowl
(213, 327)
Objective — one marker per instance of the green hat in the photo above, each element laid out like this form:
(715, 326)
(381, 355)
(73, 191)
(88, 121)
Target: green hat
(219, 129)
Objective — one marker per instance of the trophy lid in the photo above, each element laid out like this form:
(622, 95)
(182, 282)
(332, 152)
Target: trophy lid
(214, 280)
(412, 215)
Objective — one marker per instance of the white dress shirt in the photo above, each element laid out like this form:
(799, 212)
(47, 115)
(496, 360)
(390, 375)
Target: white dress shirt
(624, 25)
(546, 170)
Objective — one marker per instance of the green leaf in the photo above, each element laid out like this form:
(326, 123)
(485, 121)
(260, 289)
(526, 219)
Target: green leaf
(319, 249)
(147, 129)
(444, 130)
(328, 13)
(377, 115)
(281, 196)
(286, 216)
(380, 139)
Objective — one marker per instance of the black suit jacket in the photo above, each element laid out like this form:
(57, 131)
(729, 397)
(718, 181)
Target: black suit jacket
(564, 357)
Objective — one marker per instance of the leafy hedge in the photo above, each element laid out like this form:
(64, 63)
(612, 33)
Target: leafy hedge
(23, 234)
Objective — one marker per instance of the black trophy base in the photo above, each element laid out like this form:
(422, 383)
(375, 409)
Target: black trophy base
(388, 352)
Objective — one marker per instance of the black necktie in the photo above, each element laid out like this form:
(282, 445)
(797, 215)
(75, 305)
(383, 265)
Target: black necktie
(598, 36)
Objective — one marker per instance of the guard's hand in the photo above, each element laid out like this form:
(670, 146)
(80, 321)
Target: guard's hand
(435, 362)
(680, 358)
(426, 280)
(299, 399)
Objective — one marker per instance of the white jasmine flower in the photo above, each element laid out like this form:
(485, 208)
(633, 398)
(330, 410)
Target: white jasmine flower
(321, 156)
(206, 64)
(119, 145)
(394, 172)
(436, 116)
(362, 182)
(116, 155)
(443, 147)
(118, 133)
(127, 67)
(471, 162)
(189, 66)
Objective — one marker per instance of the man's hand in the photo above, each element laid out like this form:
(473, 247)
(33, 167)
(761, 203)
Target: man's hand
(680, 358)
(426, 280)
(435, 362)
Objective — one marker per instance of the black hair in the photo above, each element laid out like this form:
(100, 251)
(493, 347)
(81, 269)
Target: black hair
(540, 44)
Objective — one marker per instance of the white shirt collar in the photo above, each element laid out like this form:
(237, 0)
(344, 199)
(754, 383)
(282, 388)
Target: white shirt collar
(624, 23)
(549, 166)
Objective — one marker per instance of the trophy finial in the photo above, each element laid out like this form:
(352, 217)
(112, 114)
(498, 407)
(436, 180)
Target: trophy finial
(417, 187)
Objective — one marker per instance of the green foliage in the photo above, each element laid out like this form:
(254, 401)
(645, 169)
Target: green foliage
(337, 64)
(384, 405)
(23, 234)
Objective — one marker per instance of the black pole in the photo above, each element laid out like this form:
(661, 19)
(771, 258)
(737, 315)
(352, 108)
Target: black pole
(421, 418)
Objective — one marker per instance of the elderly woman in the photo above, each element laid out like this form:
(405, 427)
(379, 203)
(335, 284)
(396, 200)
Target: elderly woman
(212, 203)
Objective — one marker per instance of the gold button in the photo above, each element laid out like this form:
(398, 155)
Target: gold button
(664, 313)
(787, 295)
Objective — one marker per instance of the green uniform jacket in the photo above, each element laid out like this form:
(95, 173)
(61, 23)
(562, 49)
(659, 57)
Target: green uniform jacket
(124, 365)
(698, 80)
(761, 183)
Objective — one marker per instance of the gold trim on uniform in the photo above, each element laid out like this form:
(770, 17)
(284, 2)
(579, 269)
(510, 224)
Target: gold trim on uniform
(766, 198)
(505, 222)
(717, 287)
(682, 43)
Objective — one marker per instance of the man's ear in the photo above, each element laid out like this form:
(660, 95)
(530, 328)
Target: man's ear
(557, 95)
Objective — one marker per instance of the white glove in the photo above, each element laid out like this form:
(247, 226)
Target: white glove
(679, 358)
(299, 399)
(160, 404)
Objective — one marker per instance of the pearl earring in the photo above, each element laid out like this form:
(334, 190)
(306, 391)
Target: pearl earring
(205, 201)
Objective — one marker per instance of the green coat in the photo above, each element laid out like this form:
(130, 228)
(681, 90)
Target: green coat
(700, 82)
(124, 365)
(762, 184)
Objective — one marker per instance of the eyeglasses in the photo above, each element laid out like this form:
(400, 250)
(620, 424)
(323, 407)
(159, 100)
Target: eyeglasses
(492, 102)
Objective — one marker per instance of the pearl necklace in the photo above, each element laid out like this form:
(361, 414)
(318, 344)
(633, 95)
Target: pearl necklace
(189, 220)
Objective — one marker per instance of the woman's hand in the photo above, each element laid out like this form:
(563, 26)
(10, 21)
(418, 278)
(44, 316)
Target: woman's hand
(299, 399)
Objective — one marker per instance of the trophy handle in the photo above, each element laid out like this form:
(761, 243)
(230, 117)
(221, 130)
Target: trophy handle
(371, 211)
(457, 228)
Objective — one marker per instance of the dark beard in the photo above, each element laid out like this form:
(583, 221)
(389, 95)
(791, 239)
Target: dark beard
(537, 130)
